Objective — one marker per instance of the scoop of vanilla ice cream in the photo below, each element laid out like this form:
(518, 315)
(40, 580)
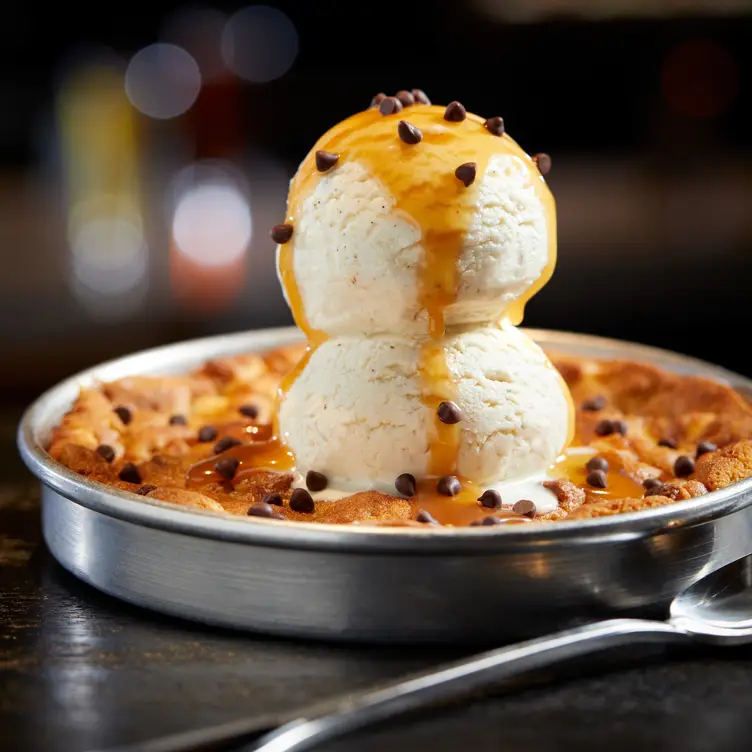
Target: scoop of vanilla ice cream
(355, 412)
(514, 404)
(357, 259)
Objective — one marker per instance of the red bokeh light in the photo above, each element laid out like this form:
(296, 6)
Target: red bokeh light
(699, 78)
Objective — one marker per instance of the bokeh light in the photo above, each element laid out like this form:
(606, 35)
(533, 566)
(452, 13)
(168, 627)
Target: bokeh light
(162, 81)
(109, 254)
(259, 43)
(109, 259)
(212, 224)
(199, 32)
(211, 230)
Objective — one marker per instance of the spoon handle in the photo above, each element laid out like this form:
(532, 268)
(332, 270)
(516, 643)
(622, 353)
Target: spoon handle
(453, 680)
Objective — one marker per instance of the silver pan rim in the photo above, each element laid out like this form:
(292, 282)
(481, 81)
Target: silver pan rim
(170, 517)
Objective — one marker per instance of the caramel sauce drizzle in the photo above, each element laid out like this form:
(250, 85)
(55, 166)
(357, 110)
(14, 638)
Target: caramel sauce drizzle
(421, 180)
(619, 485)
(267, 455)
(458, 510)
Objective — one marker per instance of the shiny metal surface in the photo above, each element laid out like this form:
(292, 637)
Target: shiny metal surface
(716, 609)
(380, 584)
(459, 679)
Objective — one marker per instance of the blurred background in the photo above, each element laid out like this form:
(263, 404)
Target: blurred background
(144, 155)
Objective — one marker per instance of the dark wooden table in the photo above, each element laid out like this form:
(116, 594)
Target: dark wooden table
(79, 670)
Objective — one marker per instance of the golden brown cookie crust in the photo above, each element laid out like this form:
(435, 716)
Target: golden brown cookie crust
(143, 433)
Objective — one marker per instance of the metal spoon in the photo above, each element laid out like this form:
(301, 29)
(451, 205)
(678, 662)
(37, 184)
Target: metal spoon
(716, 609)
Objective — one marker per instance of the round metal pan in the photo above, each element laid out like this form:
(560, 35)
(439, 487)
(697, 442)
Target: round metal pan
(375, 584)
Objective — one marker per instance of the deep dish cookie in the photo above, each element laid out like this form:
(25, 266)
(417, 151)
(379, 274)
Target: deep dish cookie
(645, 437)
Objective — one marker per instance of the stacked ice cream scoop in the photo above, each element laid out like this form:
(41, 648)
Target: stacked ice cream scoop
(415, 234)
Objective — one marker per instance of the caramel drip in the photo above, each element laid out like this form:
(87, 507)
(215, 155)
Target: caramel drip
(515, 312)
(620, 486)
(421, 180)
(246, 432)
(437, 386)
(262, 455)
(292, 290)
(458, 510)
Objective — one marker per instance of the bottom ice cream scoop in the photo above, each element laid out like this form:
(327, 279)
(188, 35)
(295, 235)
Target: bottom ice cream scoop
(357, 412)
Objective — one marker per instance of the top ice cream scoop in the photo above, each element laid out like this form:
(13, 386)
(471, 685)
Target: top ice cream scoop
(392, 236)
(414, 238)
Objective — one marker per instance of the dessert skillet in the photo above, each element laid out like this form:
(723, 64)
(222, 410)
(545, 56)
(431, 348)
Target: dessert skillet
(375, 583)
(414, 236)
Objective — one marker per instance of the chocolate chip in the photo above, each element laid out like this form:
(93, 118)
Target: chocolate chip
(301, 501)
(225, 443)
(420, 97)
(207, 433)
(227, 467)
(455, 112)
(390, 105)
(650, 484)
(490, 499)
(525, 507)
(492, 520)
(178, 420)
(704, 447)
(281, 234)
(406, 97)
(597, 463)
(278, 516)
(668, 490)
(449, 413)
(377, 100)
(595, 403)
(466, 172)
(146, 490)
(250, 411)
(124, 413)
(274, 499)
(604, 427)
(424, 516)
(316, 481)
(607, 427)
(409, 133)
(325, 160)
(544, 163)
(666, 442)
(405, 485)
(684, 466)
(129, 473)
(260, 509)
(106, 452)
(495, 125)
(597, 479)
(489, 519)
(448, 485)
